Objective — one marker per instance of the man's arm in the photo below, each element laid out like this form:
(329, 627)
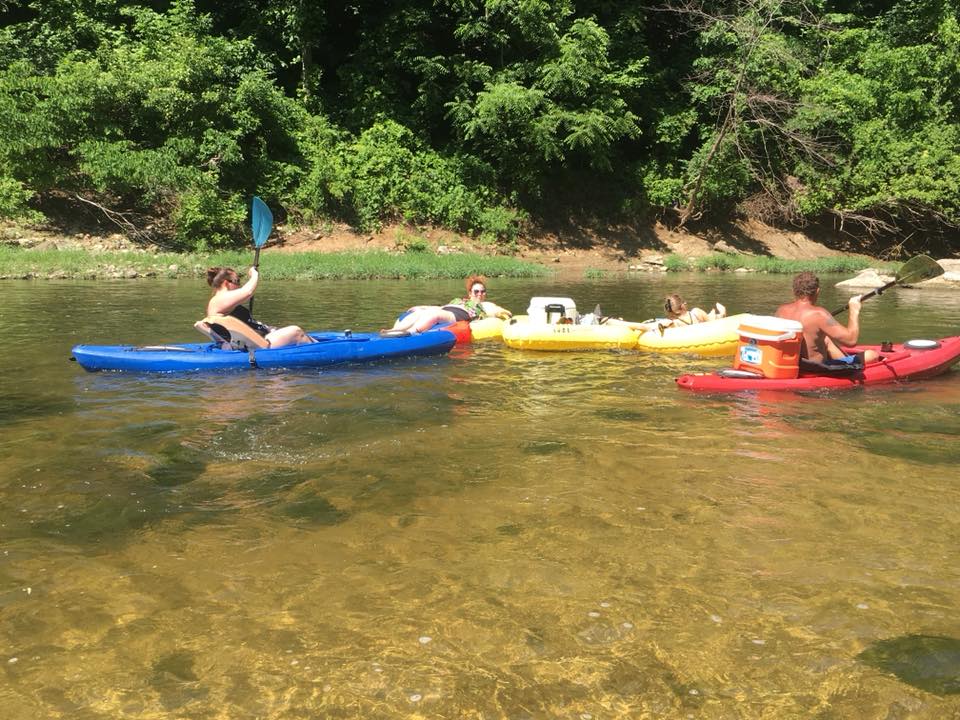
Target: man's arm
(843, 335)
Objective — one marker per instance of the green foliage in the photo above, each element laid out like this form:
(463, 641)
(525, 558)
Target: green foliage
(16, 262)
(386, 174)
(528, 120)
(412, 243)
(895, 107)
(839, 264)
(500, 224)
(161, 119)
(676, 263)
(384, 265)
(13, 201)
(479, 116)
(717, 261)
(727, 176)
(201, 214)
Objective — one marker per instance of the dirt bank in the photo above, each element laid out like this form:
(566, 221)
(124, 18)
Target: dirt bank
(567, 249)
(573, 249)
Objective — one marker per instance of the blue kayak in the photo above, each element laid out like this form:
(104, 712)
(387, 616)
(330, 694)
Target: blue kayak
(330, 349)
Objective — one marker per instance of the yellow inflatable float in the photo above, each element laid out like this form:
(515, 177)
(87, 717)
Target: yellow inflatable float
(715, 338)
(551, 323)
(554, 324)
(521, 333)
(488, 328)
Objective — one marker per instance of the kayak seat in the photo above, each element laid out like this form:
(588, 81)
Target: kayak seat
(236, 333)
(220, 341)
(832, 368)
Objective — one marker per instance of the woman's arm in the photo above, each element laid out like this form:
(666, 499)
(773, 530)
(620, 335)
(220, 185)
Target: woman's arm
(491, 308)
(698, 315)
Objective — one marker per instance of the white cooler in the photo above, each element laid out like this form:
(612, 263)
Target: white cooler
(552, 310)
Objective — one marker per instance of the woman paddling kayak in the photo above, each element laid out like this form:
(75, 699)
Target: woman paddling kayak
(228, 298)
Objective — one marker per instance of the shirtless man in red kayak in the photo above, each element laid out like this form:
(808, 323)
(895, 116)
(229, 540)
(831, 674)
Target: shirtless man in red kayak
(822, 334)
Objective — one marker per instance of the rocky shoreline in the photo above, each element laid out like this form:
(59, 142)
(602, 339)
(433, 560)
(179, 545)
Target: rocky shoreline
(627, 252)
(871, 278)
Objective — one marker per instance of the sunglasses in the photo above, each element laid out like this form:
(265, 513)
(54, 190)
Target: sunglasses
(478, 292)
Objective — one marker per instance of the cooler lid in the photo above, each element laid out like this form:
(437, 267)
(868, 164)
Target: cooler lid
(542, 302)
(770, 323)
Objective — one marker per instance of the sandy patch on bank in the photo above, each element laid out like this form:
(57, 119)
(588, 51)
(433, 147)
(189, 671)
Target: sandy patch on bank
(568, 249)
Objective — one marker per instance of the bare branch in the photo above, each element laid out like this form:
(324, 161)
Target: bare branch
(120, 220)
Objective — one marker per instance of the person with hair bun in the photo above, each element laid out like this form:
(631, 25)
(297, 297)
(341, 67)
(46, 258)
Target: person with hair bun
(679, 314)
(472, 307)
(228, 298)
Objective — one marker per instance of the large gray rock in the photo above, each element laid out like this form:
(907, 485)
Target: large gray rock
(723, 247)
(951, 276)
(869, 279)
(650, 263)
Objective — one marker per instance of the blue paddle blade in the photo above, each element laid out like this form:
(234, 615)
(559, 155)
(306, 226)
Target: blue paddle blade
(262, 222)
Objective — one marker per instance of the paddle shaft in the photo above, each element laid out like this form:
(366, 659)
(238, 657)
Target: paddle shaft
(866, 296)
(256, 264)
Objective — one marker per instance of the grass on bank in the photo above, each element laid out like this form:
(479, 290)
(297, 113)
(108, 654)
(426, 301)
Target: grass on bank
(840, 264)
(417, 263)
(17, 263)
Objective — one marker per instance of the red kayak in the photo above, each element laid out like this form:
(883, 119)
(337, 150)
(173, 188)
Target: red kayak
(912, 360)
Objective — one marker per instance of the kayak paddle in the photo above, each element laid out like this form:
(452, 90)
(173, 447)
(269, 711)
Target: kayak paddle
(916, 269)
(261, 222)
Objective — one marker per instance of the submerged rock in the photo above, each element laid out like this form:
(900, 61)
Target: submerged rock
(928, 662)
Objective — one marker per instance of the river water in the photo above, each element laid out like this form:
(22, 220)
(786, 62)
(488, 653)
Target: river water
(492, 534)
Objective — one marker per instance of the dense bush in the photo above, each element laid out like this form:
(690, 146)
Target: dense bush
(385, 174)
(168, 115)
(163, 119)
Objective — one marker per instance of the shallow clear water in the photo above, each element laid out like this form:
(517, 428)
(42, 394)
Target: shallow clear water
(489, 534)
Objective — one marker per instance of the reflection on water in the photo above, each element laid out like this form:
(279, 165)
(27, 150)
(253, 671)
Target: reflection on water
(490, 534)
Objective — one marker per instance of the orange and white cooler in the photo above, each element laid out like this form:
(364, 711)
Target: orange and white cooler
(769, 346)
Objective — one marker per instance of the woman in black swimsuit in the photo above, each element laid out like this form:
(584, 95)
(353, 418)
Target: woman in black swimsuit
(676, 309)
(423, 317)
(229, 296)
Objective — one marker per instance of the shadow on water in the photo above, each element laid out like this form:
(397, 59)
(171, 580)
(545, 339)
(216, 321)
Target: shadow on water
(14, 407)
(313, 509)
(923, 448)
(114, 518)
(179, 465)
(545, 447)
(176, 680)
(147, 430)
(922, 434)
(178, 666)
(928, 662)
(268, 485)
(108, 518)
(623, 414)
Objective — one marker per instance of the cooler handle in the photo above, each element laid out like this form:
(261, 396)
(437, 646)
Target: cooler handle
(779, 338)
